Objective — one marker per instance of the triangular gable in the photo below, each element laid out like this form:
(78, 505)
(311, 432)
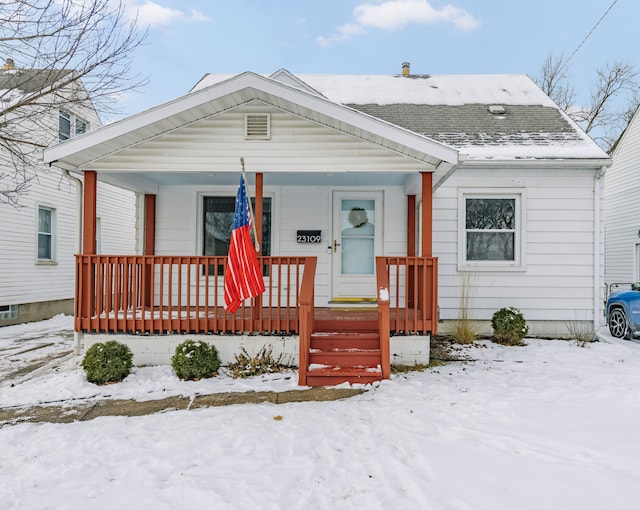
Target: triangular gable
(284, 76)
(79, 152)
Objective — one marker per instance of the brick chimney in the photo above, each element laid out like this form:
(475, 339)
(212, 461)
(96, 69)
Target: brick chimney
(406, 69)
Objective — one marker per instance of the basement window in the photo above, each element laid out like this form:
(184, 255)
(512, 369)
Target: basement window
(257, 126)
(8, 312)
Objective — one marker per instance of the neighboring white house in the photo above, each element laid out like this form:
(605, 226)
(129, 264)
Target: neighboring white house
(481, 179)
(40, 236)
(622, 210)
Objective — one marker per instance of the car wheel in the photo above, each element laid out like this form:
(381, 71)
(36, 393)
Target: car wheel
(619, 324)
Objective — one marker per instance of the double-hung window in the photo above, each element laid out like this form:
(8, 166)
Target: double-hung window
(46, 224)
(491, 230)
(217, 221)
(70, 125)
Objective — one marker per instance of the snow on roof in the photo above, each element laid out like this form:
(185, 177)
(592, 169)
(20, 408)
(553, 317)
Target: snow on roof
(454, 109)
(454, 90)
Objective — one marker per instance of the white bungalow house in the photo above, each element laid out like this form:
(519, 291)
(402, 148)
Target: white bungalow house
(40, 234)
(622, 210)
(477, 182)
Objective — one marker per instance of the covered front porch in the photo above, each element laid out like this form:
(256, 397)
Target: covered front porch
(153, 294)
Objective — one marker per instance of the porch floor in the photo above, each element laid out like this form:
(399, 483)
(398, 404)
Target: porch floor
(267, 320)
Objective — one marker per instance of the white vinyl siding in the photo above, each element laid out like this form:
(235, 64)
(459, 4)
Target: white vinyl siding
(556, 279)
(622, 208)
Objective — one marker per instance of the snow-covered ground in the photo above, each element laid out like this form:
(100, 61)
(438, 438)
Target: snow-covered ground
(546, 426)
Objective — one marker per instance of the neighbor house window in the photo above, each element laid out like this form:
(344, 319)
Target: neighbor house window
(8, 312)
(46, 217)
(217, 222)
(70, 125)
(491, 230)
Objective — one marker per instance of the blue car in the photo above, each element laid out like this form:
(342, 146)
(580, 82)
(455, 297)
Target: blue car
(623, 312)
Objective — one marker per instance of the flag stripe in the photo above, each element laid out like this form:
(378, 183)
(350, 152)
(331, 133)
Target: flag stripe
(243, 276)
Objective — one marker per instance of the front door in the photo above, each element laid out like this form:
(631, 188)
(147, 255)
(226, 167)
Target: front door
(357, 239)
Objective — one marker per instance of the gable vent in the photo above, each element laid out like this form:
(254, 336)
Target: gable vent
(257, 126)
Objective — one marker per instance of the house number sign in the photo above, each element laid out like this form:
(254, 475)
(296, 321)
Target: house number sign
(308, 236)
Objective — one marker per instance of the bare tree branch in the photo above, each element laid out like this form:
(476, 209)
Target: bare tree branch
(64, 54)
(614, 97)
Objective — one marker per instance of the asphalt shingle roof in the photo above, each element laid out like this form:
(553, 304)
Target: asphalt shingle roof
(473, 124)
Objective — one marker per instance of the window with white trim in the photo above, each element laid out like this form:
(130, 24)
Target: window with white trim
(8, 312)
(491, 230)
(46, 241)
(70, 125)
(217, 220)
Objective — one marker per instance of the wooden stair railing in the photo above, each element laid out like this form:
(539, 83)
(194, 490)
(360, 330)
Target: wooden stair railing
(307, 304)
(382, 283)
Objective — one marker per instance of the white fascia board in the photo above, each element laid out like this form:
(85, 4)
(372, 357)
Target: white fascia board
(58, 153)
(537, 163)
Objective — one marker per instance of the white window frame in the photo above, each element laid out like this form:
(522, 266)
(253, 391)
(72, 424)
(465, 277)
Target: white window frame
(8, 312)
(519, 262)
(232, 192)
(74, 121)
(52, 234)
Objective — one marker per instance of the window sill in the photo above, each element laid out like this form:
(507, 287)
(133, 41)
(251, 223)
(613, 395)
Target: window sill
(498, 268)
(41, 262)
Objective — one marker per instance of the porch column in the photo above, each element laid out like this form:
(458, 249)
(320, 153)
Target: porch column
(149, 247)
(89, 213)
(427, 214)
(258, 219)
(258, 208)
(411, 247)
(411, 225)
(149, 225)
(85, 271)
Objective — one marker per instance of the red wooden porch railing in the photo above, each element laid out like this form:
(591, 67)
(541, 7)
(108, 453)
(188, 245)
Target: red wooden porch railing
(412, 284)
(176, 294)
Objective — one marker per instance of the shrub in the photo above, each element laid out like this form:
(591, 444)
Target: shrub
(195, 360)
(509, 326)
(262, 363)
(107, 362)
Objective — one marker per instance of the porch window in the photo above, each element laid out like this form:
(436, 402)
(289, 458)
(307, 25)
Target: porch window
(46, 217)
(218, 220)
(491, 230)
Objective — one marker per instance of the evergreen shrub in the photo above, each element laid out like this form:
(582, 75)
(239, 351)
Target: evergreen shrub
(195, 360)
(107, 362)
(509, 326)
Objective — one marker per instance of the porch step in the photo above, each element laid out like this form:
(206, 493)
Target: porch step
(332, 376)
(344, 324)
(369, 358)
(327, 340)
(344, 355)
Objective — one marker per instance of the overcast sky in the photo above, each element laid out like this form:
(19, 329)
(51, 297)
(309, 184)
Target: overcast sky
(189, 38)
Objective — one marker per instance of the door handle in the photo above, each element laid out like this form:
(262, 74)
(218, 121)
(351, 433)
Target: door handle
(335, 246)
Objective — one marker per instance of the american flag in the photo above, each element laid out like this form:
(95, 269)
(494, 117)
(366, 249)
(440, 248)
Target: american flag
(242, 277)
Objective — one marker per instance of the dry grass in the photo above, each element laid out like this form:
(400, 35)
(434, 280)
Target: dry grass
(463, 330)
(582, 332)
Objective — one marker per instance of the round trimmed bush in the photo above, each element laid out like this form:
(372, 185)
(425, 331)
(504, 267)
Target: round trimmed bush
(509, 326)
(107, 362)
(195, 360)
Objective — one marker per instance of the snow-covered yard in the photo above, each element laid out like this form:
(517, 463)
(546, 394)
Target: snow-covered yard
(546, 426)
